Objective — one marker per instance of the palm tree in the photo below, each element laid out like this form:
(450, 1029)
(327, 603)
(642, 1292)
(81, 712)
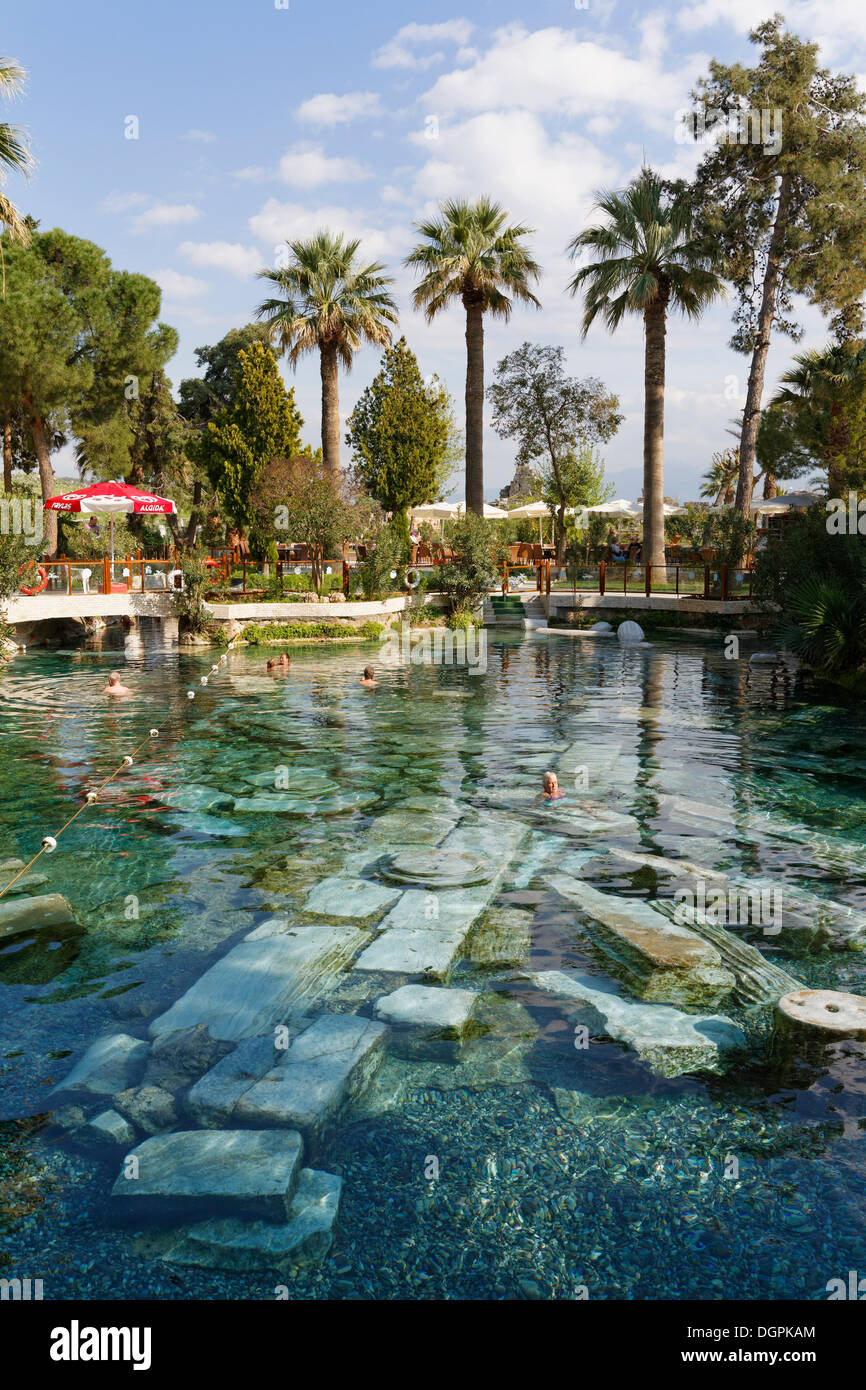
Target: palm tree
(14, 152)
(720, 479)
(332, 304)
(648, 261)
(471, 254)
(818, 387)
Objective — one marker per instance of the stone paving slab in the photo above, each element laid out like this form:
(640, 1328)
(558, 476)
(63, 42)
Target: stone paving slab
(305, 1238)
(275, 970)
(427, 1008)
(30, 914)
(669, 1041)
(321, 1070)
(344, 896)
(243, 1173)
(424, 931)
(662, 961)
(109, 1065)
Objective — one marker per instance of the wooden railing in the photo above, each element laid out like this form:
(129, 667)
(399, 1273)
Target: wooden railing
(702, 580)
(129, 574)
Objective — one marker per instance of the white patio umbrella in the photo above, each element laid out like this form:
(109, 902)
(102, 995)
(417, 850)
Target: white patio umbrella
(491, 513)
(529, 512)
(434, 511)
(789, 501)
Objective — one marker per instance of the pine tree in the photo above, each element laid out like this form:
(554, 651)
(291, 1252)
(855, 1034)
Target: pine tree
(401, 433)
(263, 424)
(786, 206)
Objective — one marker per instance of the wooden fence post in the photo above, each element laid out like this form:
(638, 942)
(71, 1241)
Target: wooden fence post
(602, 578)
(648, 580)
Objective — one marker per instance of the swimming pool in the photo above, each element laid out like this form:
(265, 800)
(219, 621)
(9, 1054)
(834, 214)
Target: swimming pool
(542, 1146)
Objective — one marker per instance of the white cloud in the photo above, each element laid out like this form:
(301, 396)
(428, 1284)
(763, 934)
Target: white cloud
(307, 166)
(554, 72)
(399, 52)
(123, 202)
(222, 255)
(166, 215)
(254, 173)
(279, 222)
(177, 286)
(836, 26)
(202, 137)
(330, 109)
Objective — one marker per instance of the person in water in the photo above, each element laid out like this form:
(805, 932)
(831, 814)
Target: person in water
(551, 790)
(285, 660)
(115, 686)
(368, 679)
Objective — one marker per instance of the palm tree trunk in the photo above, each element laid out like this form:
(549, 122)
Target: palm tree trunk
(475, 408)
(46, 479)
(654, 435)
(755, 391)
(770, 489)
(330, 410)
(7, 456)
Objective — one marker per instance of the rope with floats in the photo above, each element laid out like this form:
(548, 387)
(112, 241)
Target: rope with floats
(91, 797)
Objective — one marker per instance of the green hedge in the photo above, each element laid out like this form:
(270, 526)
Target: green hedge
(290, 632)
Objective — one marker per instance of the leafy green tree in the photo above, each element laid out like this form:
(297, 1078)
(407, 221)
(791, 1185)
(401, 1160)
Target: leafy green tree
(554, 417)
(648, 261)
(470, 254)
(401, 433)
(316, 511)
(789, 214)
(72, 333)
(473, 572)
(825, 390)
(332, 305)
(15, 157)
(203, 398)
(262, 424)
(41, 367)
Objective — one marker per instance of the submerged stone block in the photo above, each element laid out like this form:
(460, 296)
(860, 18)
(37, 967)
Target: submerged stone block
(344, 896)
(260, 981)
(109, 1065)
(322, 1069)
(670, 1042)
(107, 1128)
(305, 1238)
(29, 914)
(148, 1107)
(658, 960)
(212, 1100)
(243, 1173)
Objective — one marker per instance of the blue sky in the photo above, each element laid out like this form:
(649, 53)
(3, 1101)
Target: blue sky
(257, 123)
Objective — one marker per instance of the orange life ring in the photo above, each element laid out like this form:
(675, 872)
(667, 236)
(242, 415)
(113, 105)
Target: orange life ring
(43, 578)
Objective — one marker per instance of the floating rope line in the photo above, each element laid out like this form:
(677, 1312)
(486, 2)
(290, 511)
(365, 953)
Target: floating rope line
(91, 797)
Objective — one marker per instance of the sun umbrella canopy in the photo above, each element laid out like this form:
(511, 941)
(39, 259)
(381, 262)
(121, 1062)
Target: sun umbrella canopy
(789, 501)
(491, 513)
(434, 511)
(111, 498)
(528, 512)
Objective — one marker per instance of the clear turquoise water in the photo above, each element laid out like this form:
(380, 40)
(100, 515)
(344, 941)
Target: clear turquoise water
(559, 1171)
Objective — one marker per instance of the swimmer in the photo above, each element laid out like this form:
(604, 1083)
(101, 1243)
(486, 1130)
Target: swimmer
(285, 660)
(272, 666)
(115, 686)
(368, 680)
(550, 788)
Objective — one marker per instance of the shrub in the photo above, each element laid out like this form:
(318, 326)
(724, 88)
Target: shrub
(285, 632)
(467, 579)
(189, 602)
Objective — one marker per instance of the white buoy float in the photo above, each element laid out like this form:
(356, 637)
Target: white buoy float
(628, 633)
